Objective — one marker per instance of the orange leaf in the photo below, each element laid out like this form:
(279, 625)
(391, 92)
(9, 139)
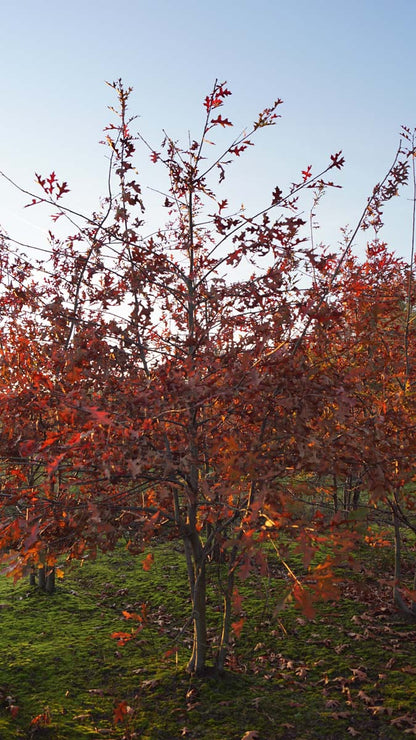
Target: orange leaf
(132, 615)
(238, 626)
(122, 637)
(148, 561)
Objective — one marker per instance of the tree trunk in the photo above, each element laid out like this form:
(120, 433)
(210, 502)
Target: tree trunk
(50, 581)
(397, 595)
(42, 577)
(199, 647)
(335, 494)
(226, 623)
(46, 579)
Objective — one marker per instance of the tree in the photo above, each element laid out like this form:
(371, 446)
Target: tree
(168, 380)
(373, 349)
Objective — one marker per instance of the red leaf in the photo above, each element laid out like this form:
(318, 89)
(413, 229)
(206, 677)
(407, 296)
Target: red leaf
(101, 416)
(307, 173)
(337, 160)
(120, 712)
(41, 720)
(304, 600)
(221, 121)
(54, 464)
(62, 189)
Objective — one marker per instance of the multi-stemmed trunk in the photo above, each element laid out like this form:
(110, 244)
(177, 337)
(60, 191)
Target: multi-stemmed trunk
(195, 560)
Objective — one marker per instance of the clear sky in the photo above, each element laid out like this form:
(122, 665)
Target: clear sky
(346, 71)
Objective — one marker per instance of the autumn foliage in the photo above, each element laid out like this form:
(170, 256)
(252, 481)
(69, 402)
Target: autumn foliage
(208, 382)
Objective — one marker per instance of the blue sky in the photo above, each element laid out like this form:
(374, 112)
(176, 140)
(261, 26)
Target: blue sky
(345, 70)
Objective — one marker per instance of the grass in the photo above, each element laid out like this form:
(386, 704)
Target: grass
(351, 671)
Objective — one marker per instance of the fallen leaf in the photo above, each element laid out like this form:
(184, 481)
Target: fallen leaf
(402, 720)
(120, 712)
(331, 704)
(191, 695)
(359, 674)
(353, 732)
(148, 561)
(151, 684)
(364, 697)
(251, 735)
(377, 709)
(339, 648)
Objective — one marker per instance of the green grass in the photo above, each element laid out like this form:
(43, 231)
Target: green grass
(352, 669)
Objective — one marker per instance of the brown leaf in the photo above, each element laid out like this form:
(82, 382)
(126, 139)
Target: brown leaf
(151, 684)
(359, 674)
(378, 709)
(409, 669)
(404, 719)
(331, 704)
(339, 648)
(364, 697)
(353, 732)
(251, 735)
(191, 695)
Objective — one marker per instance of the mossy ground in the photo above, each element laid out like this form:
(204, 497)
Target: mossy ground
(351, 671)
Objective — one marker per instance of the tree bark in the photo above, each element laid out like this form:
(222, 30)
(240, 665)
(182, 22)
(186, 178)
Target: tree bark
(42, 577)
(46, 579)
(226, 623)
(50, 581)
(199, 647)
(397, 595)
